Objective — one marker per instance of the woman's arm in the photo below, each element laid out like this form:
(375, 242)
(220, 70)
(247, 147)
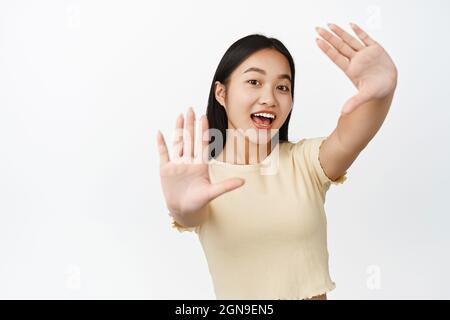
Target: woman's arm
(352, 134)
(374, 74)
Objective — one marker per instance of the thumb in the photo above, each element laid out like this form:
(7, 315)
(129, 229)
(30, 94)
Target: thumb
(220, 188)
(354, 102)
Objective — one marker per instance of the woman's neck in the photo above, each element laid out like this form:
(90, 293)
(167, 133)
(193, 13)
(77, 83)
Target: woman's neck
(244, 152)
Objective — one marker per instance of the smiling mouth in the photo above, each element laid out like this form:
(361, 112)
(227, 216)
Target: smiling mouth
(262, 122)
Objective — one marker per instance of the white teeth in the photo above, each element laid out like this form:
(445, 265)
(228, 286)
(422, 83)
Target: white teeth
(267, 115)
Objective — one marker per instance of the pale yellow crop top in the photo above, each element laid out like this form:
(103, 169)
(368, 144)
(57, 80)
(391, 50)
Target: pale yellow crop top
(268, 238)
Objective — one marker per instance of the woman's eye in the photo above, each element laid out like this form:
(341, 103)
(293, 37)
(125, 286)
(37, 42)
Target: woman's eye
(285, 88)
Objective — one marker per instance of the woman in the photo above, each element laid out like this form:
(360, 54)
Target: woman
(266, 238)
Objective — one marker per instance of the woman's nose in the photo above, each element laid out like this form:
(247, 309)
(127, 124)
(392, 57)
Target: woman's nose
(268, 97)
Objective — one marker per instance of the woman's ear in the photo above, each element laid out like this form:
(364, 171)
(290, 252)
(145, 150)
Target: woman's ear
(219, 92)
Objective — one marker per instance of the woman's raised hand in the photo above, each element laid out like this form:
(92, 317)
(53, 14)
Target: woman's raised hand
(364, 61)
(184, 178)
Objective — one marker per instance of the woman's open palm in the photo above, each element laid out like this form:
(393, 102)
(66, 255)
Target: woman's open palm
(364, 61)
(185, 178)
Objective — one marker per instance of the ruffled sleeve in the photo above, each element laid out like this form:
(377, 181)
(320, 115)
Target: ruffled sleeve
(310, 151)
(182, 228)
(315, 148)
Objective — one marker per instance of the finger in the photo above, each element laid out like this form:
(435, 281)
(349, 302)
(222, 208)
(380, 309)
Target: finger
(220, 188)
(349, 39)
(178, 138)
(205, 138)
(162, 148)
(337, 43)
(362, 35)
(333, 54)
(189, 135)
(201, 155)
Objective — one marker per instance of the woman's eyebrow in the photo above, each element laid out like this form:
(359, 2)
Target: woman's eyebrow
(255, 69)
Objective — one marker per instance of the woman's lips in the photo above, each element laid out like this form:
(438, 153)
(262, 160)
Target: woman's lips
(262, 126)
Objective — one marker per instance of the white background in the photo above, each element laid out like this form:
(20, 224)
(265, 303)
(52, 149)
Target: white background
(84, 87)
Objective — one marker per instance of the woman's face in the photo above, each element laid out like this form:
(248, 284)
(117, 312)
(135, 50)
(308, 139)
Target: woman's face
(261, 83)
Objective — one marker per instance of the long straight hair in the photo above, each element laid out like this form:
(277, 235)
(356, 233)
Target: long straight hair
(233, 57)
